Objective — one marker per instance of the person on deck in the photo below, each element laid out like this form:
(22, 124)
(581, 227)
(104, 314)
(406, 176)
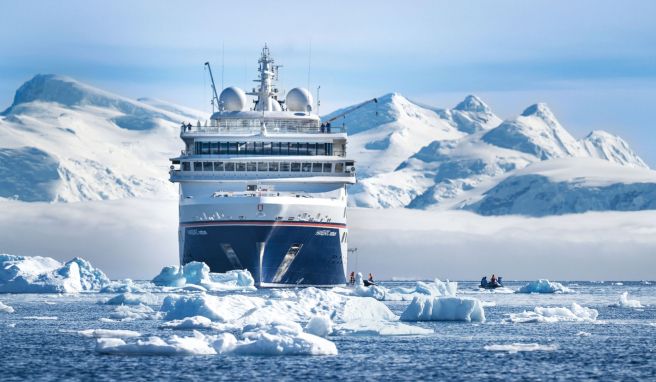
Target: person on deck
(352, 278)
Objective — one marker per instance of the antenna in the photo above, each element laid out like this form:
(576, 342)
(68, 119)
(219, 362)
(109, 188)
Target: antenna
(318, 100)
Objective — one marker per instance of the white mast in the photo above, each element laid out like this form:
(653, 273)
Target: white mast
(267, 94)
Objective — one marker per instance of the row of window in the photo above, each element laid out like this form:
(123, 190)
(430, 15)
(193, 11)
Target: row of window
(262, 148)
(263, 166)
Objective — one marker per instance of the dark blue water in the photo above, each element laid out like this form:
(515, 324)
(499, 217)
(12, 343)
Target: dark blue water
(621, 345)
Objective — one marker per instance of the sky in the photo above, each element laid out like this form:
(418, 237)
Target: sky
(592, 62)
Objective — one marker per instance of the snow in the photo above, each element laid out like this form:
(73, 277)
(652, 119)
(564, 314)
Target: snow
(196, 273)
(108, 333)
(128, 298)
(625, 302)
(603, 145)
(444, 309)
(5, 308)
(319, 325)
(555, 314)
(544, 286)
(521, 347)
(35, 274)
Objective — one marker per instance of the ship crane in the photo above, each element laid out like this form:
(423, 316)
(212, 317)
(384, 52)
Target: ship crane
(325, 125)
(216, 96)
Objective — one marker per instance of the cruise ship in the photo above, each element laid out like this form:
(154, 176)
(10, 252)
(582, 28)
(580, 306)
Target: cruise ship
(263, 187)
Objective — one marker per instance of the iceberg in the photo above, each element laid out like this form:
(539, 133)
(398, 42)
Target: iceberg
(624, 302)
(123, 286)
(108, 333)
(519, 347)
(221, 309)
(555, 314)
(5, 308)
(544, 286)
(128, 298)
(36, 274)
(283, 338)
(198, 274)
(133, 312)
(444, 309)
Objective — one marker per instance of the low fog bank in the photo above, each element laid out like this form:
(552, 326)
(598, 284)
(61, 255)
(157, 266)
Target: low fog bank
(135, 238)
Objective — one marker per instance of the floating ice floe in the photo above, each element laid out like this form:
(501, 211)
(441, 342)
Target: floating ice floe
(544, 286)
(5, 308)
(444, 309)
(122, 286)
(196, 274)
(128, 298)
(108, 333)
(273, 339)
(379, 328)
(35, 274)
(42, 318)
(583, 334)
(624, 302)
(555, 314)
(133, 312)
(518, 347)
(381, 293)
(195, 322)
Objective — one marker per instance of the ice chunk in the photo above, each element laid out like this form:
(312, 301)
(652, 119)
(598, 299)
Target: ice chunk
(517, 347)
(555, 314)
(133, 312)
(132, 299)
(319, 325)
(196, 273)
(379, 328)
(5, 308)
(195, 322)
(544, 286)
(42, 318)
(123, 286)
(283, 338)
(624, 302)
(224, 308)
(381, 293)
(583, 334)
(24, 274)
(431, 308)
(197, 344)
(108, 333)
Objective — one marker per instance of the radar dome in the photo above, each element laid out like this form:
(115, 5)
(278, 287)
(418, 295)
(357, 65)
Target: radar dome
(232, 99)
(299, 99)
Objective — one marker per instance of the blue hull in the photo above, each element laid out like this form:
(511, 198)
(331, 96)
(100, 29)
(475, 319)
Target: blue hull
(276, 253)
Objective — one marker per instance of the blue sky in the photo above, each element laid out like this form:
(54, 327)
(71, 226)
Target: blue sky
(593, 62)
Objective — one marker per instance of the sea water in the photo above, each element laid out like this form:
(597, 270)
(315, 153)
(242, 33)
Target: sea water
(39, 341)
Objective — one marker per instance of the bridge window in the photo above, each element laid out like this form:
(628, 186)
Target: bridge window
(205, 148)
(214, 148)
(232, 148)
(251, 166)
(186, 166)
(339, 167)
(321, 148)
(284, 166)
(316, 167)
(250, 148)
(296, 167)
(327, 167)
(241, 148)
(207, 166)
(218, 166)
(198, 166)
(293, 149)
(230, 166)
(223, 148)
(307, 167)
(273, 166)
(266, 148)
(240, 166)
(262, 166)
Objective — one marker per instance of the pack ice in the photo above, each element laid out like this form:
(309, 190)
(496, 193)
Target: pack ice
(555, 314)
(36, 274)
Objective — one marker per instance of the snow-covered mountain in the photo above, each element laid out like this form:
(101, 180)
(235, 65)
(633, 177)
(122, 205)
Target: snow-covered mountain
(570, 185)
(62, 140)
(450, 173)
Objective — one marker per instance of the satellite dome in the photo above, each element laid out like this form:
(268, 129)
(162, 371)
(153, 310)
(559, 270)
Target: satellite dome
(299, 99)
(232, 99)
